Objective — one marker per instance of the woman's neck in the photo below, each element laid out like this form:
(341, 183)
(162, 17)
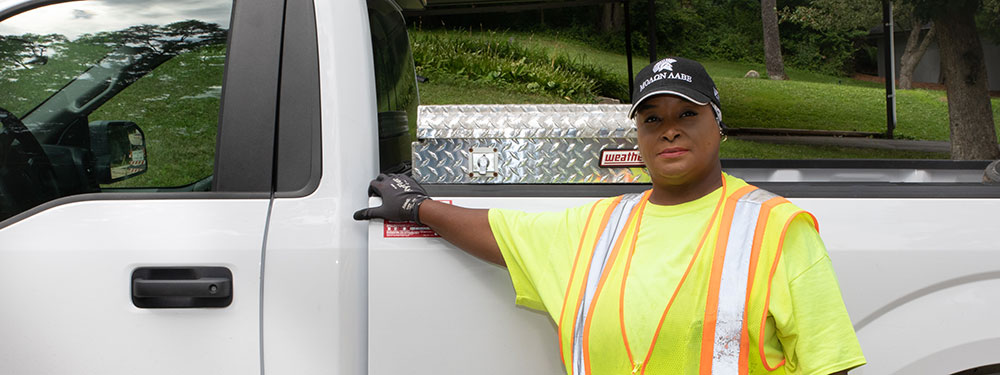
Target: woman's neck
(672, 194)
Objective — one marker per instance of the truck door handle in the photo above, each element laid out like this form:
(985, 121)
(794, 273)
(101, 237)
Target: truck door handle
(182, 287)
(206, 287)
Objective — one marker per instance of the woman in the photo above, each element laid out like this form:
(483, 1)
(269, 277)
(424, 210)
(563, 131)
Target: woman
(702, 274)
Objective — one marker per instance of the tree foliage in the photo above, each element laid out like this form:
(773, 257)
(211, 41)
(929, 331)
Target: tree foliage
(839, 16)
(731, 30)
(988, 20)
(28, 49)
(44, 63)
(170, 39)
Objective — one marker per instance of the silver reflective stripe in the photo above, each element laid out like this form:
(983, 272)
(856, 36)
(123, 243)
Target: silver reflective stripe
(733, 284)
(616, 223)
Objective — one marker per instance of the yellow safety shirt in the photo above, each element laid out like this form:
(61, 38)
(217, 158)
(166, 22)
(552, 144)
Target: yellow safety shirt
(805, 330)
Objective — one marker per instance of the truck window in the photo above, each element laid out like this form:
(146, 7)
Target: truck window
(120, 96)
(395, 85)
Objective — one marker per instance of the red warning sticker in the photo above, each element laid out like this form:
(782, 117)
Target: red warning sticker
(406, 229)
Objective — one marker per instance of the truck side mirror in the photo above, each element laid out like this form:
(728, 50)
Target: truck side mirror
(992, 173)
(119, 148)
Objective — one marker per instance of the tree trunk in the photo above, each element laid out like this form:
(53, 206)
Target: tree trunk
(772, 44)
(607, 13)
(618, 16)
(913, 53)
(973, 135)
(611, 17)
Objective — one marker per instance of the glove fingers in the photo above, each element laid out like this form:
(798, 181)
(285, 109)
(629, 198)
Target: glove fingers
(380, 212)
(374, 188)
(363, 214)
(372, 213)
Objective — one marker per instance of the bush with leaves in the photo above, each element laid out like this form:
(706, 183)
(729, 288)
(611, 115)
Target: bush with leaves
(494, 59)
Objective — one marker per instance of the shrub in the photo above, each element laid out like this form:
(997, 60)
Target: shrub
(822, 52)
(493, 59)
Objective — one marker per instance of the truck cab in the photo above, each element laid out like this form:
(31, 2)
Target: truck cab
(177, 181)
(162, 268)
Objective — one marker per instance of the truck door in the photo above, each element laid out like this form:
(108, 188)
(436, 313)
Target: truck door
(135, 177)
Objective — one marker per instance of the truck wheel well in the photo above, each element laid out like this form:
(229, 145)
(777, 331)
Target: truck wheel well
(982, 370)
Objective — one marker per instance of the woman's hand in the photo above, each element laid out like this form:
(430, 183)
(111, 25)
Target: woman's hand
(403, 199)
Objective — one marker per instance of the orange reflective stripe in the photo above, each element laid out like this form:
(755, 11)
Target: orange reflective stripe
(701, 243)
(770, 278)
(758, 236)
(621, 300)
(628, 265)
(569, 285)
(600, 286)
(712, 305)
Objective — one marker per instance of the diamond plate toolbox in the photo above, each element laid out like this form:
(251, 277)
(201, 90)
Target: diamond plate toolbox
(522, 144)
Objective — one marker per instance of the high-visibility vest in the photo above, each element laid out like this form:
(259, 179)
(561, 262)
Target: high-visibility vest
(746, 218)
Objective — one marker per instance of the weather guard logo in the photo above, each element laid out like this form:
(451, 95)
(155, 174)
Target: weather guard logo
(621, 159)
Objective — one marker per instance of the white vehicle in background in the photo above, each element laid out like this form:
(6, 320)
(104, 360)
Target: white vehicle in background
(177, 181)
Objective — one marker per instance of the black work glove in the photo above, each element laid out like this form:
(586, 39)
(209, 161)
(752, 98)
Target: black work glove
(401, 198)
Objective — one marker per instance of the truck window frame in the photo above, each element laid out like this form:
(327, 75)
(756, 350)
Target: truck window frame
(248, 113)
(299, 147)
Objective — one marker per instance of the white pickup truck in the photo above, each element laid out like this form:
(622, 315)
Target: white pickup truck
(177, 180)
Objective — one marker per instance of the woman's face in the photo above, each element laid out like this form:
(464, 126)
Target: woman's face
(678, 140)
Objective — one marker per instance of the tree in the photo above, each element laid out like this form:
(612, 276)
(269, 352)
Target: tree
(172, 39)
(30, 49)
(772, 43)
(913, 53)
(973, 133)
(13, 50)
(955, 23)
(844, 16)
(915, 47)
(612, 17)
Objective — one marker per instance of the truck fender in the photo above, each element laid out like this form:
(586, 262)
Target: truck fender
(944, 328)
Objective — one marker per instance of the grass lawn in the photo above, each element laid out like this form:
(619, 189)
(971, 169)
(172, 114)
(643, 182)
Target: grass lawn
(807, 101)
(177, 107)
(24, 89)
(443, 89)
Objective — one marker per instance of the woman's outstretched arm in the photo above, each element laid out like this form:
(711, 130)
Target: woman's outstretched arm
(469, 229)
(403, 199)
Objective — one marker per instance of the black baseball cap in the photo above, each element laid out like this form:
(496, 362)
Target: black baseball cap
(678, 76)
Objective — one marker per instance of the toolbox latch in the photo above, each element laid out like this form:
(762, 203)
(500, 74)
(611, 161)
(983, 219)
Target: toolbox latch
(483, 162)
